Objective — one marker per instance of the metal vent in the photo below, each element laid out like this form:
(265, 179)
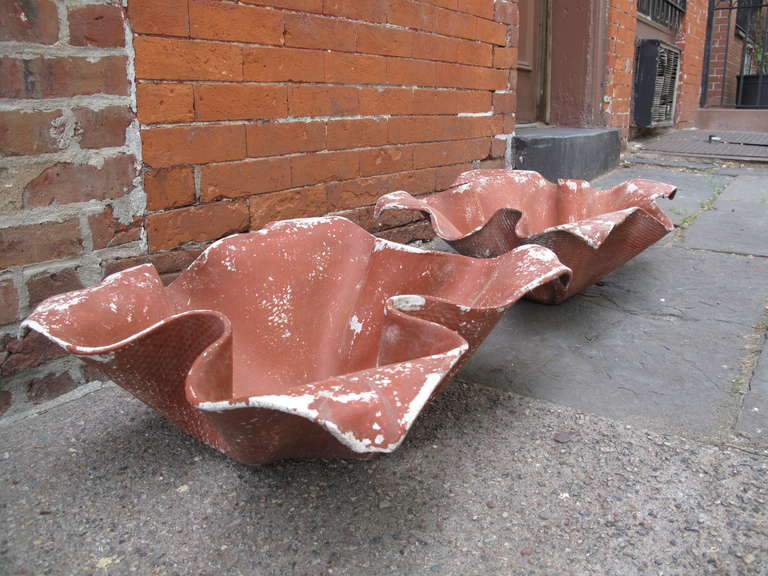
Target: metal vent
(666, 79)
(655, 83)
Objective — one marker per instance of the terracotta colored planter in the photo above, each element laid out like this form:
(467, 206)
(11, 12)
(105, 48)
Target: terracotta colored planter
(307, 338)
(593, 232)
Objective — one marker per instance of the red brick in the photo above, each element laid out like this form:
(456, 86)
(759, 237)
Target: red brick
(39, 242)
(28, 352)
(63, 77)
(165, 103)
(25, 133)
(356, 133)
(482, 8)
(393, 101)
(29, 21)
(368, 10)
(434, 47)
(164, 262)
(365, 191)
(363, 216)
(355, 68)
(284, 138)
(434, 128)
(412, 15)
(505, 102)
(301, 5)
(385, 160)
(309, 31)
(460, 76)
(169, 17)
(168, 230)
(305, 100)
(107, 231)
(385, 41)
(96, 26)
(102, 128)
(216, 20)
(445, 153)
(177, 59)
(324, 167)
(506, 12)
(50, 387)
(504, 57)
(240, 101)
(491, 32)
(235, 179)
(498, 147)
(164, 147)
(287, 204)
(445, 176)
(169, 188)
(9, 302)
(65, 183)
(46, 284)
(404, 72)
(283, 65)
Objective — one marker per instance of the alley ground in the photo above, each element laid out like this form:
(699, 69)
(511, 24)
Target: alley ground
(622, 432)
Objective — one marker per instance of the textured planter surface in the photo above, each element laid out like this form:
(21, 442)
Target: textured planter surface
(307, 338)
(489, 212)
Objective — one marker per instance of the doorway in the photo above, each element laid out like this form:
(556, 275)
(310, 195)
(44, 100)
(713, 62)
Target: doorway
(533, 62)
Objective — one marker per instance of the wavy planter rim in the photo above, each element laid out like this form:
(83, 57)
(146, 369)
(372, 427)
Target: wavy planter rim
(210, 406)
(505, 227)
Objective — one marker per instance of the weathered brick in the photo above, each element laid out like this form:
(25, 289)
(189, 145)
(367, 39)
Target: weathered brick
(63, 77)
(446, 153)
(405, 72)
(102, 128)
(344, 68)
(365, 191)
(384, 41)
(164, 147)
(168, 230)
(357, 133)
(65, 183)
(287, 204)
(165, 103)
(504, 57)
(215, 20)
(422, 231)
(231, 180)
(29, 21)
(50, 387)
(46, 284)
(323, 167)
(302, 5)
(96, 26)
(310, 31)
(386, 159)
(177, 59)
(310, 100)
(106, 231)
(240, 101)
(32, 243)
(169, 17)
(32, 350)
(283, 65)
(412, 14)
(9, 302)
(169, 188)
(164, 262)
(23, 133)
(367, 10)
(270, 139)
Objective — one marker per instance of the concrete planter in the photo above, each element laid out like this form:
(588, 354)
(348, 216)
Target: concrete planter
(308, 338)
(486, 213)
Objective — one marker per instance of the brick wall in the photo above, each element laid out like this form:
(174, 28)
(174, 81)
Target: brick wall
(70, 198)
(726, 44)
(240, 113)
(620, 65)
(269, 109)
(691, 41)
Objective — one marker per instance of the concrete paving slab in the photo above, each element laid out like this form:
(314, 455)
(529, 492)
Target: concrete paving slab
(753, 420)
(658, 343)
(738, 221)
(693, 187)
(487, 483)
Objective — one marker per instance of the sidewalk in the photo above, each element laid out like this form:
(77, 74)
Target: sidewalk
(623, 432)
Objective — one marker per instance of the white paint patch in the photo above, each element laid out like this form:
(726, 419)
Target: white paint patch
(355, 325)
(408, 302)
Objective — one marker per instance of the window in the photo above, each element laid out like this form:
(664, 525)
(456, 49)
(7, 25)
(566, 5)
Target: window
(668, 13)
